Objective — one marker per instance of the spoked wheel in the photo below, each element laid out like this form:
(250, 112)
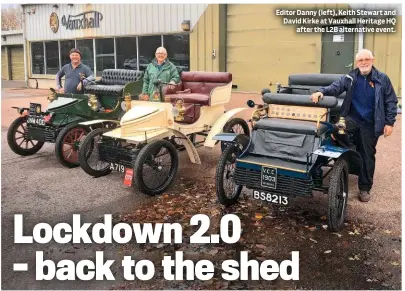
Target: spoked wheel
(235, 125)
(18, 140)
(68, 143)
(89, 157)
(338, 195)
(227, 190)
(155, 167)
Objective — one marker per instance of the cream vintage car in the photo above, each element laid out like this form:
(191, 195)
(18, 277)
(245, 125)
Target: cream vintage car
(144, 144)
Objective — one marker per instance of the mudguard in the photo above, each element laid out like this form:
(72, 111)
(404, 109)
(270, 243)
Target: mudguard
(219, 125)
(100, 121)
(353, 158)
(191, 150)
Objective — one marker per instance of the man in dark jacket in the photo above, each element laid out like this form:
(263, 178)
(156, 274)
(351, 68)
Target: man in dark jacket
(369, 108)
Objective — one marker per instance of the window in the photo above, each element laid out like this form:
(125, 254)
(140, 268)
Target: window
(147, 47)
(37, 53)
(65, 47)
(86, 48)
(104, 54)
(126, 53)
(178, 50)
(52, 57)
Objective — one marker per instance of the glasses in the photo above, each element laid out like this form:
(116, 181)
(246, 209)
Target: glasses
(364, 60)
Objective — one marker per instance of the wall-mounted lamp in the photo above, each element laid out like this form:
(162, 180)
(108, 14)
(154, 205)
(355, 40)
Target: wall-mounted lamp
(33, 10)
(3, 38)
(185, 25)
(55, 6)
(70, 5)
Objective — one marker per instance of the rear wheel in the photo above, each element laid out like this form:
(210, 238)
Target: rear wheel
(68, 143)
(227, 190)
(155, 167)
(89, 154)
(18, 140)
(235, 125)
(338, 195)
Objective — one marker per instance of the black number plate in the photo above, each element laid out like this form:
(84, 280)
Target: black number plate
(269, 178)
(270, 197)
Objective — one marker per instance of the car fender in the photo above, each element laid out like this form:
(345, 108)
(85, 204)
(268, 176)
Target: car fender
(219, 126)
(191, 150)
(103, 122)
(352, 157)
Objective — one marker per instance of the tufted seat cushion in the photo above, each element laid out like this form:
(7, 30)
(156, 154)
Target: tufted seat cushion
(105, 89)
(113, 81)
(194, 98)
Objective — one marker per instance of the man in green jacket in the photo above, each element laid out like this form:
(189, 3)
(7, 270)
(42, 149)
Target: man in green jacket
(162, 69)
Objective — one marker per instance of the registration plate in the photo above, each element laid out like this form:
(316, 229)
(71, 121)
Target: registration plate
(269, 178)
(270, 197)
(117, 167)
(36, 120)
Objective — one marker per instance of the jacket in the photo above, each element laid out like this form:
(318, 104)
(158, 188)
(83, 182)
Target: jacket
(385, 108)
(167, 73)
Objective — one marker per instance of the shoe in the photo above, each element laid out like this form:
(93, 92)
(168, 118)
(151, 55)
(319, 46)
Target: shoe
(364, 196)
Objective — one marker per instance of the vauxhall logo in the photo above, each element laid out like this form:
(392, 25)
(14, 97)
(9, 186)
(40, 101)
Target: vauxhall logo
(89, 19)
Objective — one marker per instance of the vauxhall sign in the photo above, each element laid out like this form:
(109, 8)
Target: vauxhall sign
(89, 19)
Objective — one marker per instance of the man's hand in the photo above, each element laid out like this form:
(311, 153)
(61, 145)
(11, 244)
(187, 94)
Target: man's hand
(144, 97)
(316, 96)
(79, 87)
(171, 87)
(61, 90)
(387, 130)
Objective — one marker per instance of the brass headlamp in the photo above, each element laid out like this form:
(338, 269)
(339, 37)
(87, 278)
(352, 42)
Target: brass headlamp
(52, 97)
(260, 112)
(341, 125)
(127, 100)
(93, 102)
(179, 110)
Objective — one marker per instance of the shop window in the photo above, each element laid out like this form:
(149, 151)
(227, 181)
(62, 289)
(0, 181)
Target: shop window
(37, 57)
(65, 47)
(52, 57)
(178, 50)
(126, 53)
(104, 54)
(86, 48)
(147, 46)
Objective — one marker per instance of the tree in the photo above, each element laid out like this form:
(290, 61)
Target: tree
(11, 18)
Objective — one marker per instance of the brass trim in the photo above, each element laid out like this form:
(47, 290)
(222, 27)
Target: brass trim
(278, 167)
(319, 120)
(296, 112)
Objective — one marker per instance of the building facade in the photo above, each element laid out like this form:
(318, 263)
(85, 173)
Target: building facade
(251, 41)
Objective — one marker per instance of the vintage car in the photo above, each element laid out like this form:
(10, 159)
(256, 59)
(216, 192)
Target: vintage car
(145, 145)
(60, 122)
(292, 144)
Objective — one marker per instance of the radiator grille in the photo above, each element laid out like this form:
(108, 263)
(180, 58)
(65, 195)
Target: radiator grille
(121, 155)
(286, 185)
(44, 134)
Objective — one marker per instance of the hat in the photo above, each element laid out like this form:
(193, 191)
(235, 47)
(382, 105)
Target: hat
(75, 50)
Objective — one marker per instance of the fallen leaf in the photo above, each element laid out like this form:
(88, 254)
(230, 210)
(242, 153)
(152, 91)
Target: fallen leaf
(259, 216)
(323, 217)
(397, 252)
(355, 232)
(324, 226)
(388, 231)
(337, 234)
(311, 239)
(395, 263)
(165, 196)
(263, 247)
(328, 252)
(312, 228)
(354, 258)
(213, 252)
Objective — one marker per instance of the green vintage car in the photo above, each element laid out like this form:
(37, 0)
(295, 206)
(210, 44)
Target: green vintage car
(60, 122)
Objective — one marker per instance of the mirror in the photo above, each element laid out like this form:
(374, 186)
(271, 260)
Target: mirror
(251, 103)
(265, 90)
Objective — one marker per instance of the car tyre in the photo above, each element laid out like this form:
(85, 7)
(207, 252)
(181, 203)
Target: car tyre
(19, 126)
(235, 125)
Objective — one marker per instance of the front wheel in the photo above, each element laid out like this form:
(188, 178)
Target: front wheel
(227, 190)
(68, 143)
(18, 141)
(338, 195)
(155, 167)
(89, 157)
(235, 125)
